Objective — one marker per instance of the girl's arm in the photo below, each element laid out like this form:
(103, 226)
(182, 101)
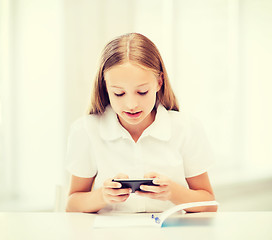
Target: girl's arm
(83, 199)
(199, 190)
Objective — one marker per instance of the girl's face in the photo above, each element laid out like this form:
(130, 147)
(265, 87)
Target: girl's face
(132, 94)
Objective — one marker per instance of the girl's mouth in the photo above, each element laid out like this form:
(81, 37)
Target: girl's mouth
(133, 114)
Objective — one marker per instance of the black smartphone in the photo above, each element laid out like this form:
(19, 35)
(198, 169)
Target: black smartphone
(135, 184)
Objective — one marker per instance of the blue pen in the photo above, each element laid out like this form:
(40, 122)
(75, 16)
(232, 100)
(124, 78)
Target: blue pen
(157, 219)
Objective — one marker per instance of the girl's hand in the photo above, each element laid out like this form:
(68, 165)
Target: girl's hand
(111, 191)
(161, 192)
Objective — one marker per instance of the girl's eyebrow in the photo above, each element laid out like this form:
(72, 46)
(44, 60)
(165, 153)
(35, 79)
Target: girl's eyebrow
(143, 84)
(113, 86)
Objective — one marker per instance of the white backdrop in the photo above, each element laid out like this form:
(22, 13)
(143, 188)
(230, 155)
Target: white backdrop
(217, 53)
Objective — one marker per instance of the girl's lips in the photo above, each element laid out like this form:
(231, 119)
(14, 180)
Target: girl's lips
(133, 115)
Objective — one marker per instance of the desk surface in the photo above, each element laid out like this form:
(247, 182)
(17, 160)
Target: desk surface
(79, 226)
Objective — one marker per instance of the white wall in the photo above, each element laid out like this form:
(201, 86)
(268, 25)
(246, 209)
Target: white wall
(218, 56)
(206, 79)
(256, 58)
(37, 101)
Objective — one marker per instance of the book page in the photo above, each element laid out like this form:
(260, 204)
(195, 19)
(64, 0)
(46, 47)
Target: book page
(126, 220)
(144, 220)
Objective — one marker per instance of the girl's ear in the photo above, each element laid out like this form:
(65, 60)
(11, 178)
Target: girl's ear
(160, 81)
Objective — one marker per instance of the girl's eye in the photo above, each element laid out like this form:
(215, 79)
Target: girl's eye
(143, 93)
(119, 94)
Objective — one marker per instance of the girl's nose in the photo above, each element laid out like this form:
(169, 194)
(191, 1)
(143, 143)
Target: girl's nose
(132, 103)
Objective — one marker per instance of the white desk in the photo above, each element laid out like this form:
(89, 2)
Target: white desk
(78, 226)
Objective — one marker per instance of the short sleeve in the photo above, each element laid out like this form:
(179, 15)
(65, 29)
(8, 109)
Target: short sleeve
(81, 161)
(196, 151)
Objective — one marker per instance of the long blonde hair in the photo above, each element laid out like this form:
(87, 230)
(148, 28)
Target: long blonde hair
(137, 49)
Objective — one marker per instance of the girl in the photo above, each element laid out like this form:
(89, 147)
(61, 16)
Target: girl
(135, 130)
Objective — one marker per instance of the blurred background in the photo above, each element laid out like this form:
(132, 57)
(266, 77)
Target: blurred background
(218, 54)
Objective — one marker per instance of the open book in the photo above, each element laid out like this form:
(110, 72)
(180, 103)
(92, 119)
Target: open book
(146, 220)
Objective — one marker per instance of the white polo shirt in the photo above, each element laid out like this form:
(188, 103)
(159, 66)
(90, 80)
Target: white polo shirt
(174, 145)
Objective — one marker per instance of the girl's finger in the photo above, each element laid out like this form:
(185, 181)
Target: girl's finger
(121, 176)
(116, 199)
(154, 189)
(118, 192)
(110, 184)
(162, 181)
(151, 175)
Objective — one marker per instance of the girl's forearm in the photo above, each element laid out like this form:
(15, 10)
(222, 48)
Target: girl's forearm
(181, 194)
(86, 201)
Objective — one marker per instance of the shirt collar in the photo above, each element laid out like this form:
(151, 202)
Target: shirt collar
(161, 127)
(110, 128)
